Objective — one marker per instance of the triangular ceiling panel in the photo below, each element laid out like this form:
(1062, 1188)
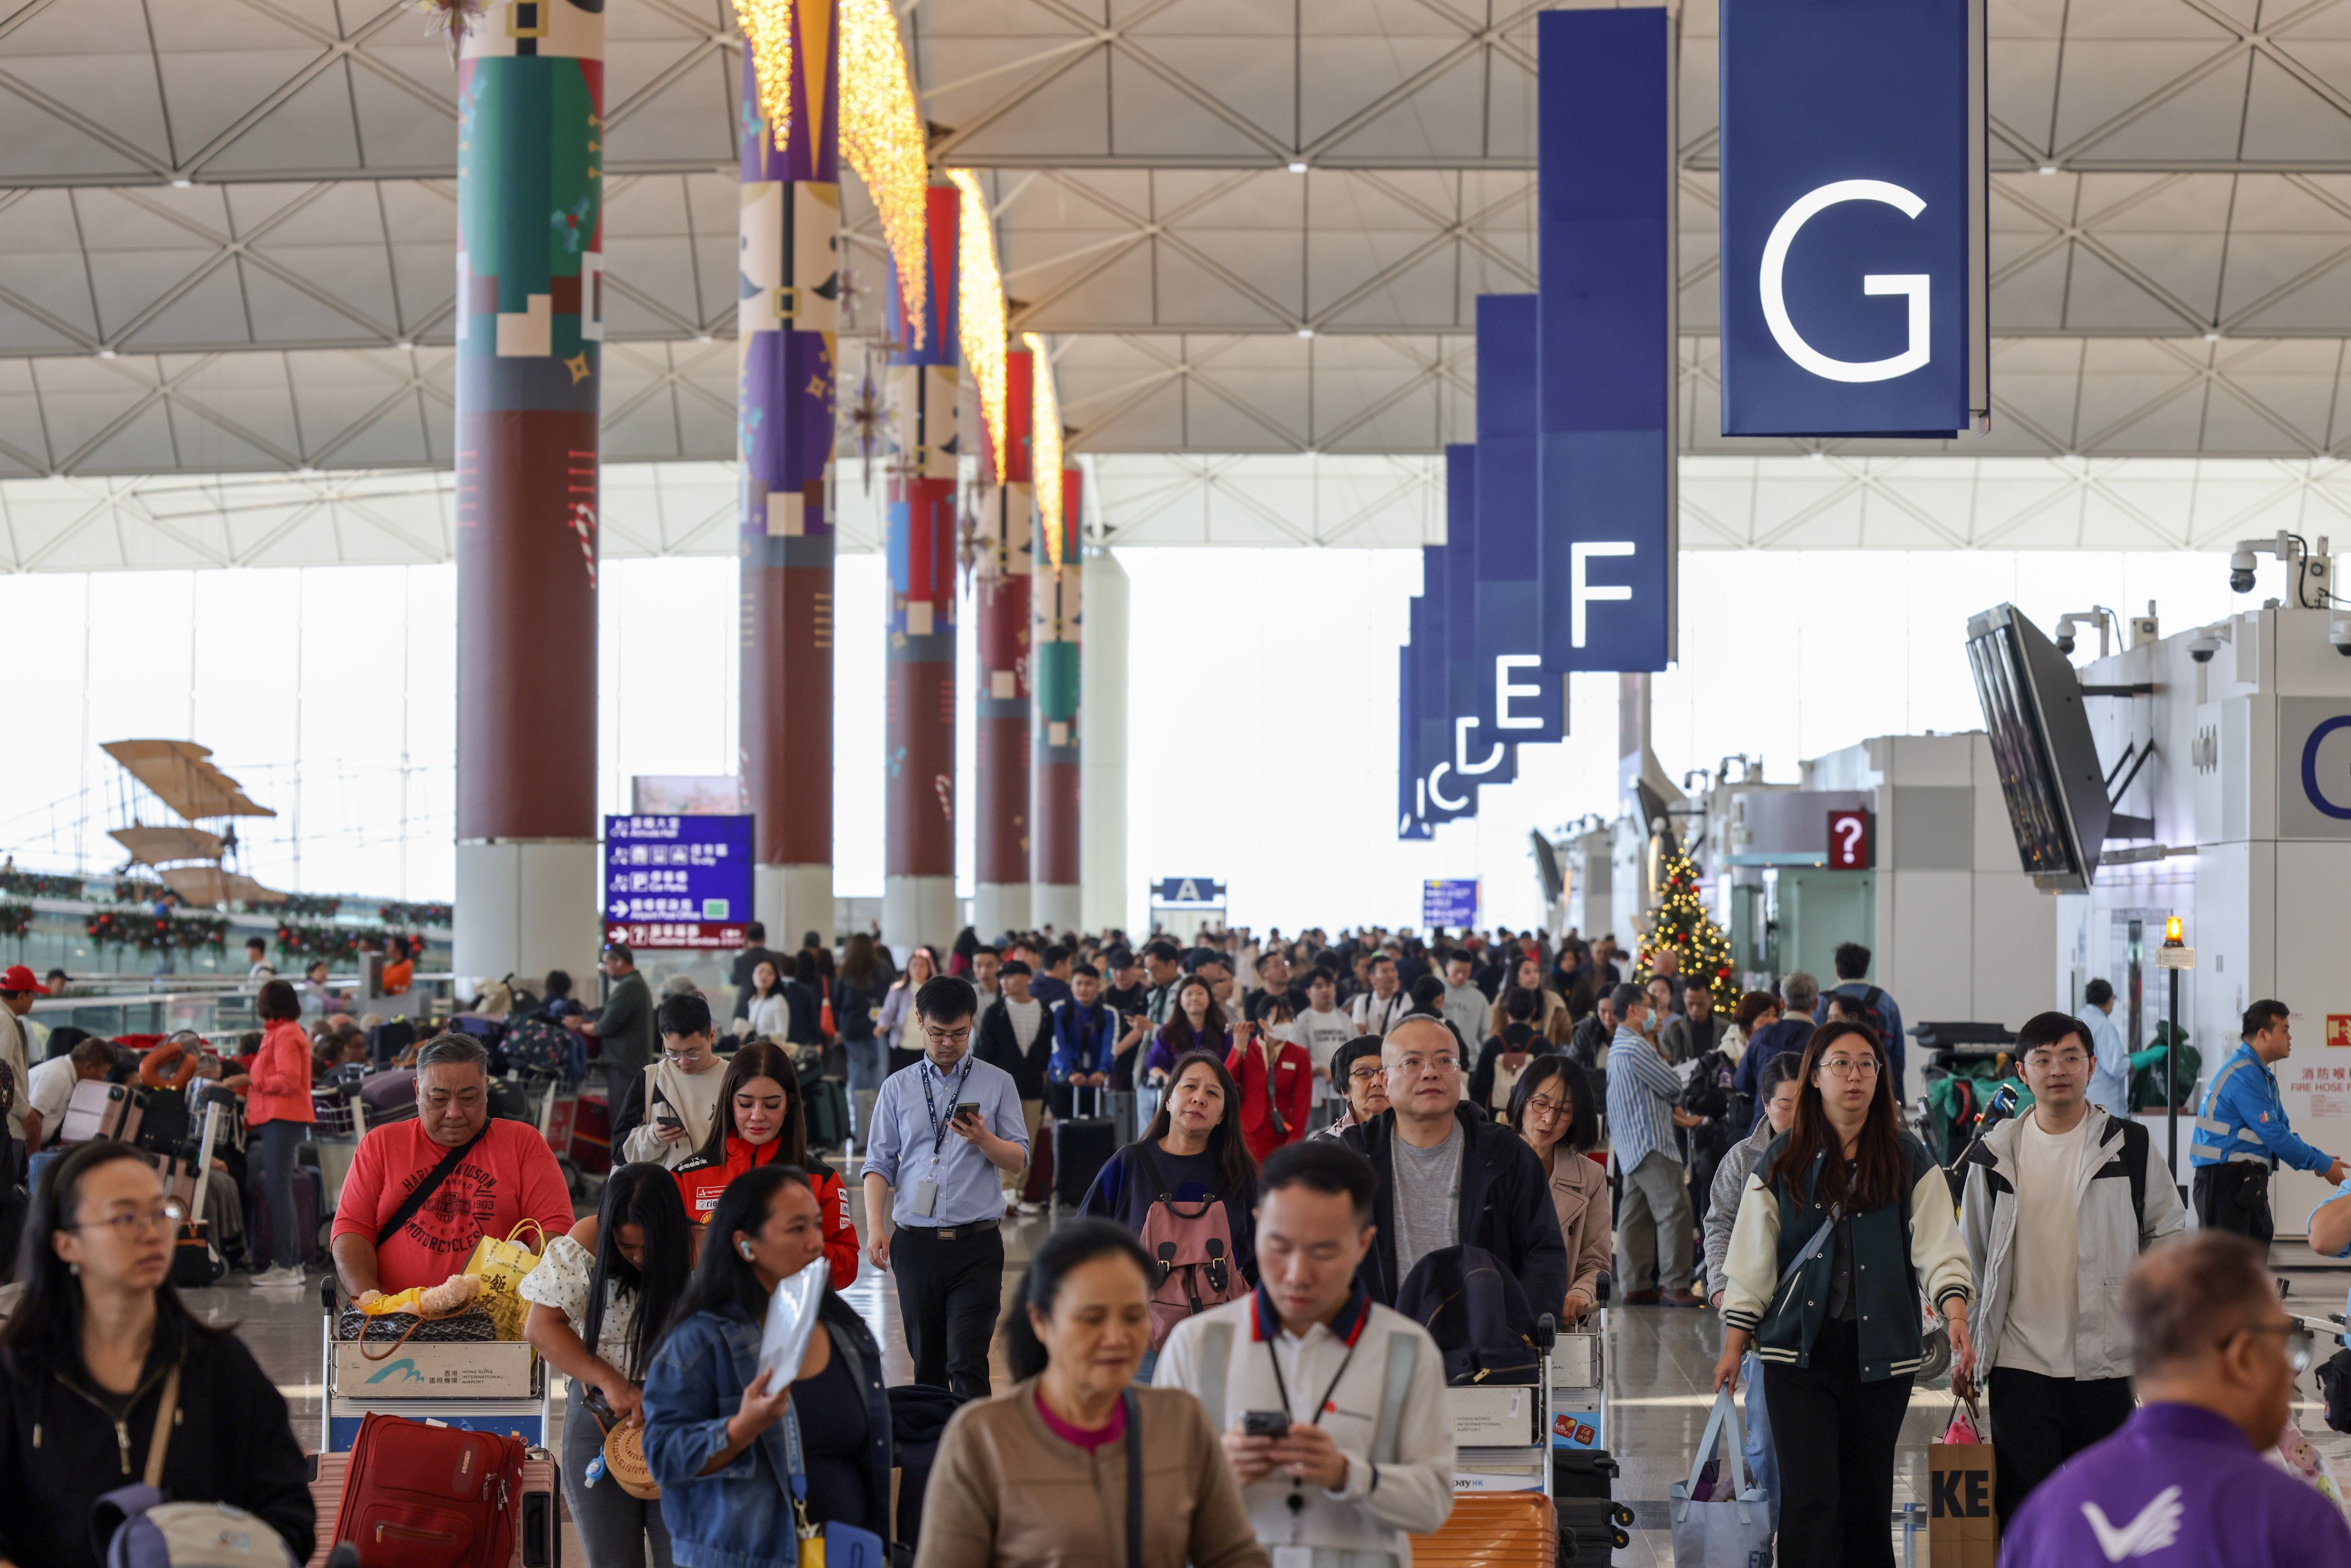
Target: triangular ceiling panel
(2287, 122)
(396, 128)
(1065, 117)
(311, 129)
(142, 445)
(211, 312)
(211, 446)
(2106, 81)
(1151, 117)
(1443, 119)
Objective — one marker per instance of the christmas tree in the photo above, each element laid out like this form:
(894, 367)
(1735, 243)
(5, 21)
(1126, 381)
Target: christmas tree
(1700, 947)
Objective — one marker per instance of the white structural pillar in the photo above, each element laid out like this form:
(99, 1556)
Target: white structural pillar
(1101, 722)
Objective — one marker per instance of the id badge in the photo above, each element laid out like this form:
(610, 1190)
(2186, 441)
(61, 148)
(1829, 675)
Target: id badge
(926, 1198)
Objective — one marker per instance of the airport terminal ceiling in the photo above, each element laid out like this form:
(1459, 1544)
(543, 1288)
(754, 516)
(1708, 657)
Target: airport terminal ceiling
(227, 230)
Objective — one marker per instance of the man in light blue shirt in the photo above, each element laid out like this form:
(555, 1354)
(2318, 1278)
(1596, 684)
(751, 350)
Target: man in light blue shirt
(2110, 1071)
(1654, 1225)
(943, 1129)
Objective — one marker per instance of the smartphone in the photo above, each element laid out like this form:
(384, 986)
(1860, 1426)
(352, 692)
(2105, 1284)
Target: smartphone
(671, 1121)
(1265, 1423)
(968, 1111)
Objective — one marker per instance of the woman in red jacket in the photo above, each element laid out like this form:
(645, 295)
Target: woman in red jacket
(1276, 1079)
(760, 1122)
(277, 1110)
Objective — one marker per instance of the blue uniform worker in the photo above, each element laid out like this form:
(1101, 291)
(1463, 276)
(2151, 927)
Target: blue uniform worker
(2242, 1135)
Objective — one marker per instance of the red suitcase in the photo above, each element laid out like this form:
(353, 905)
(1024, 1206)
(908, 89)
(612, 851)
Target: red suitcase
(420, 1496)
(592, 1135)
(539, 1533)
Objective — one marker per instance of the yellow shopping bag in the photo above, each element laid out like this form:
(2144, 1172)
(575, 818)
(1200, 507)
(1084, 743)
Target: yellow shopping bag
(500, 1266)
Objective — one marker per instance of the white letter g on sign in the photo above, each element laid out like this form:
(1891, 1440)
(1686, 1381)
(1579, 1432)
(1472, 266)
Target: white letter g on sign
(1914, 284)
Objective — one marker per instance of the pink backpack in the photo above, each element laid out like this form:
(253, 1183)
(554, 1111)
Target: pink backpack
(1191, 1246)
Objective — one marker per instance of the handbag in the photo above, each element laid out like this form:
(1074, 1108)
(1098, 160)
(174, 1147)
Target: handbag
(500, 1266)
(1728, 1529)
(472, 1325)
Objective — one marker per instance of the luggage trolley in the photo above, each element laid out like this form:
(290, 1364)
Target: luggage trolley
(481, 1386)
(1592, 1523)
(1504, 1510)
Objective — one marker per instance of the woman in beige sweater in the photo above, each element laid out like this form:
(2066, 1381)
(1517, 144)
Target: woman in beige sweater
(1039, 1474)
(1554, 1108)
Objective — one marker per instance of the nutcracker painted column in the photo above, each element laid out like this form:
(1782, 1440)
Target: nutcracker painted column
(918, 901)
(530, 97)
(1055, 901)
(789, 291)
(1000, 890)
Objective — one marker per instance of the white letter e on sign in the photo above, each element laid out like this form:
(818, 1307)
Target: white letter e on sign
(1914, 284)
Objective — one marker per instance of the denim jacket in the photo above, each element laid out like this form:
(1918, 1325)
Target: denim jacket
(741, 1517)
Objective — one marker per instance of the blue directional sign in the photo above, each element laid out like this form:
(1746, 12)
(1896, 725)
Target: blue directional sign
(1853, 217)
(1449, 901)
(1188, 890)
(1605, 184)
(1512, 703)
(677, 880)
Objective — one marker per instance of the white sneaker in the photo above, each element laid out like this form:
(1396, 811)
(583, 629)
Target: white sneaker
(287, 1275)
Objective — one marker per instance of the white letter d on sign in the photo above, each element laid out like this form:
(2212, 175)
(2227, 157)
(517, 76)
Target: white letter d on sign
(1580, 591)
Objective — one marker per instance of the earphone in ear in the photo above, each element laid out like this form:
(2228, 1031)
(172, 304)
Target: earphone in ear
(745, 1249)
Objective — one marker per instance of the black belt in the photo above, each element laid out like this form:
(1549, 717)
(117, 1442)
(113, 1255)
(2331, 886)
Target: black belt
(956, 1232)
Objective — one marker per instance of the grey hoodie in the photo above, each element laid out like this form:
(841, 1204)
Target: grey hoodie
(1723, 1200)
(2111, 1237)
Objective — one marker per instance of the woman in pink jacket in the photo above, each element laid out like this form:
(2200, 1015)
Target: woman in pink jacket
(277, 1108)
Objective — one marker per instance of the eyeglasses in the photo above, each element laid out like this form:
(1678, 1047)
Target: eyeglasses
(2045, 1059)
(1413, 1066)
(2297, 1338)
(680, 1058)
(132, 1222)
(1548, 1106)
(1850, 1067)
(1364, 1074)
(948, 1036)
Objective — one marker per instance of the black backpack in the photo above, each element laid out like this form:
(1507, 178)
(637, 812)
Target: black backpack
(1879, 1020)
(1477, 1312)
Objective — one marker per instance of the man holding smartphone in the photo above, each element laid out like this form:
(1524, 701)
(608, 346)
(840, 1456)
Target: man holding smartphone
(1309, 1377)
(944, 1131)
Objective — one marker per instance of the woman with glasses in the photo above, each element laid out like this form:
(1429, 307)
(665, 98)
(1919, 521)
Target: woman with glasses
(1846, 1221)
(1553, 1109)
(106, 1380)
(760, 1123)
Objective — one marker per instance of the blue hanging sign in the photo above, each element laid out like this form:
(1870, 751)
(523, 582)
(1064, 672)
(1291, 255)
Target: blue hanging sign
(1452, 693)
(1854, 276)
(1510, 703)
(1605, 182)
(677, 880)
(1202, 890)
(1449, 901)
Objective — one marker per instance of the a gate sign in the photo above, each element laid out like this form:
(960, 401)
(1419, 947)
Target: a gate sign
(1854, 277)
(1449, 901)
(1853, 841)
(1189, 890)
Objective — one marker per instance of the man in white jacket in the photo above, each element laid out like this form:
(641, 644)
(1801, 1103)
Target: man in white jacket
(1366, 1458)
(2058, 1205)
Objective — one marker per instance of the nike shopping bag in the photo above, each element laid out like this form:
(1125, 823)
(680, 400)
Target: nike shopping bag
(1962, 1531)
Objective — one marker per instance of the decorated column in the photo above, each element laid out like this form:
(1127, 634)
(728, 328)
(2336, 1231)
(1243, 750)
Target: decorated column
(918, 901)
(786, 320)
(1000, 892)
(1055, 901)
(530, 134)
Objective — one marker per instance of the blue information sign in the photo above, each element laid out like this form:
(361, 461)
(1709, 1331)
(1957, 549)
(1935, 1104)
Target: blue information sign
(1188, 890)
(677, 880)
(1605, 184)
(1513, 705)
(1449, 901)
(1453, 626)
(1853, 217)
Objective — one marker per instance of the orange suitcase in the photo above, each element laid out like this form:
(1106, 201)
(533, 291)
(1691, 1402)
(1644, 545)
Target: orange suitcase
(1492, 1530)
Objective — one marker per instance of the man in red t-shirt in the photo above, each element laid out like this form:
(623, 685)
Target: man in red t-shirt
(505, 1175)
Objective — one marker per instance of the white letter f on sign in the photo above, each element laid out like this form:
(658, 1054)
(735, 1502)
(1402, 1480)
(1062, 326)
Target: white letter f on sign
(1581, 593)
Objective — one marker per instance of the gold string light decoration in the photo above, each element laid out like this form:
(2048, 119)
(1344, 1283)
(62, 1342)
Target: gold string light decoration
(881, 138)
(980, 304)
(1045, 446)
(767, 24)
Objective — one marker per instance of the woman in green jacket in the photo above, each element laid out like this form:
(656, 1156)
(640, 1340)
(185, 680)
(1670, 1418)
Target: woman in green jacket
(1846, 1223)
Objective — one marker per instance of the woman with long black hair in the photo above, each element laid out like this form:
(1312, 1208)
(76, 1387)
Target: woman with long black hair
(1194, 1022)
(1193, 1152)
(600, 1298)
(1554, 1108)
(1854, 1215)
(100, 1364)
(760, 1123)
(716, 1429)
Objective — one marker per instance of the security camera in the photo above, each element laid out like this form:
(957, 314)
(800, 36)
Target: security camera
(2203, 647)
(2065, 644)
(2240, 573)
(2338, 632)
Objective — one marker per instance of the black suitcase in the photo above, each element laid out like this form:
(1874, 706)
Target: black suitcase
(1592, 1525)
(261, 1230)
(1081, 1146)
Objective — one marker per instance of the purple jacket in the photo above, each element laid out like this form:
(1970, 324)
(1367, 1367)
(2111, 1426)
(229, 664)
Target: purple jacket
(1161, 1055)
(2177, 1486)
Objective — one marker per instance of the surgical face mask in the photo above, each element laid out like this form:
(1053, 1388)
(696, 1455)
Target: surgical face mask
(1285, 1032)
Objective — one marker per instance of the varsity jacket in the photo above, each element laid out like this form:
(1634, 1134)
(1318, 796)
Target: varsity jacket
(1386, 1411)
(2128, 1203)
(1900, 1251)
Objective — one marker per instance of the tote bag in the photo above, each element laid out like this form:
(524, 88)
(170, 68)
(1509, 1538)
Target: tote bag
(1734, 1532)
